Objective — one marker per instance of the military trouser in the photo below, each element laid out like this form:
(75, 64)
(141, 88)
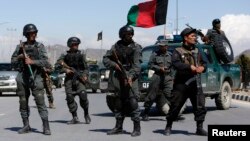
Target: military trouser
(24, 89)
(159, 91)
(125, 107)
(126, 102)
(181, 93)
(70, 96)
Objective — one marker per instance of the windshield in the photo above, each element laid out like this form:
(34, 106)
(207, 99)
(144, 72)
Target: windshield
(93, 68)
(5, 67)
(146, 53)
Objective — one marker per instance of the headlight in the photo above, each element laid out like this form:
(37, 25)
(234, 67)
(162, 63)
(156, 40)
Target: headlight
(102, 76)
(107, 73)
(150, 73)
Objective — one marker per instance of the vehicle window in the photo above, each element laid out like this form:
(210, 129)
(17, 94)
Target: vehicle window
(208, 55)
(146, 53)
(5, 67)
(93, 68)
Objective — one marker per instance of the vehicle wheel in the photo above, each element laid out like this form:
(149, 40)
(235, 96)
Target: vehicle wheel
(110, 99)
(94, 90)
(223, 100)
(1, 93)
(223, 48)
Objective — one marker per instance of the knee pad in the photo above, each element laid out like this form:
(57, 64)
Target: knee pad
(39, 98)
(70, 98)
(165, 108)
(83, 96)
(133, 104)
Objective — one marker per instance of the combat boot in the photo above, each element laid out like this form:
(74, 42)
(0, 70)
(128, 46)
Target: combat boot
(87, 119)
(200, 131)
(26, 127)
(117, 129)
(167, 131)
(51, 105)
(75, 120)
(46, 129)
(137, 129)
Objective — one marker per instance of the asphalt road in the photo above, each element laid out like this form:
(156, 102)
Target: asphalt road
(103, 120)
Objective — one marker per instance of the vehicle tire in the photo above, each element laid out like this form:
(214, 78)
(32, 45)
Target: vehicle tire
(110, 100)
(94, 90)
(223, 48)
(1, 93)
(223, 100)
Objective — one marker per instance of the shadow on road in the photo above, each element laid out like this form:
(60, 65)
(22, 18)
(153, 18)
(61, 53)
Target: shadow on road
(104, 114)
(161, 131)
(106, 130)
(64, 122)
(15, 129)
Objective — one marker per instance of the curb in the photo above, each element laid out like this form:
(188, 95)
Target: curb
(241, 97)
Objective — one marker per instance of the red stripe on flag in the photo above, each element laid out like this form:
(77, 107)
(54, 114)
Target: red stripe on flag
(146, 16)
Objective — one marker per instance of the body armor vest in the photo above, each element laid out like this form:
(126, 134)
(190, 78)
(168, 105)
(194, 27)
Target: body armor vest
(186, 55)
(75, 60)
(125, 55)
(33, 52)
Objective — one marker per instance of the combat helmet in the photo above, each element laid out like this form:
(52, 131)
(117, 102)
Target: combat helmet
(125, 29)
(73, 40)
(29, 28)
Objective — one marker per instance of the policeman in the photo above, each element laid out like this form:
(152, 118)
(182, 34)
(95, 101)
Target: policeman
(48, 85)
(29, 79)
(161, 83)
(73, 63)
(183, 61)
(210, 33)
(123, 60)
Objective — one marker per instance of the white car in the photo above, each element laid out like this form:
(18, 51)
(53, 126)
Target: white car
(7, 78)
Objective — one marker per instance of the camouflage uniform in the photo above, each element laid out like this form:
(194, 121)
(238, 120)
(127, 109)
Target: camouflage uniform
(48, 84)
(25, 84)
(162, 81)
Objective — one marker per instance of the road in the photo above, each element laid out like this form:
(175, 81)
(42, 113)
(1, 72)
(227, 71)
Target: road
(103, 120)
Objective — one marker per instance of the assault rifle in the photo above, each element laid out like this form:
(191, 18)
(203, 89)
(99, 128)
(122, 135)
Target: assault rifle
(26, 56)
(198, 31)
(123, 71)
(47, 81)
(76, 74)
(198, 81)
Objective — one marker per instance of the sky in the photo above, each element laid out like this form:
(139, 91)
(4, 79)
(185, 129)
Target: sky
(57, 20)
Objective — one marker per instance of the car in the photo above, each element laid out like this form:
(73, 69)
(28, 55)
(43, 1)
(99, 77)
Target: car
(104, 76)
(93, 77)
(7, 78)
(57, 78)
(219, 80)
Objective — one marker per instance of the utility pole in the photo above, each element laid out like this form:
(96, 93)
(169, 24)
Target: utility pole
(177, 17)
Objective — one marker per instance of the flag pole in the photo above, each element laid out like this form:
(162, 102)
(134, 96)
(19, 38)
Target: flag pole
(164, 33)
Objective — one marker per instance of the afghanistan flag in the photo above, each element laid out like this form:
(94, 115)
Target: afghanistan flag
(99, 36)
(148, 14)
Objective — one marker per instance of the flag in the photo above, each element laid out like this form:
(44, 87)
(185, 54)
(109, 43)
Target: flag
(99, 36)
(148, 14)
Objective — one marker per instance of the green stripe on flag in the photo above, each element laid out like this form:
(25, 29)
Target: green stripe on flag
(132, 15)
